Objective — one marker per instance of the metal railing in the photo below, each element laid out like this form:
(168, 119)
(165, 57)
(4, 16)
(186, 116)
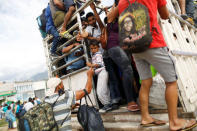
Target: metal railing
(48, 43)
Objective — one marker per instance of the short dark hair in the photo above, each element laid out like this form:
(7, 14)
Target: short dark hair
(89, 15)
(18, 102)
(83, 19)
(94, 43)
(9, 107)
(30, 99)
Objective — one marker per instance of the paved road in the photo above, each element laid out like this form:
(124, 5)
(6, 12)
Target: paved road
(5, 128)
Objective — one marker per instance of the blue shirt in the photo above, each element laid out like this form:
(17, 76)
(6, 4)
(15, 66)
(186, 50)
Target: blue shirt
(78, 64)
(49, 19)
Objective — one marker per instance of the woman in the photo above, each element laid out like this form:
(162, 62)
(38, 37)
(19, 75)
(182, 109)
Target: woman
(10, 118)
(121, 60)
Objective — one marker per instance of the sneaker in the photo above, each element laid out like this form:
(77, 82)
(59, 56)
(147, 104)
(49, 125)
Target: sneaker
(106, 108)
(115, 106)
(66, 35)
(188, 19)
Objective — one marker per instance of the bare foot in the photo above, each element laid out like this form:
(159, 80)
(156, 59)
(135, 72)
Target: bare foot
(181, 124)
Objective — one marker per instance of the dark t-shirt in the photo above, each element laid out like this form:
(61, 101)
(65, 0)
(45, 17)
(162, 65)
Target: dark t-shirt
(112, 29)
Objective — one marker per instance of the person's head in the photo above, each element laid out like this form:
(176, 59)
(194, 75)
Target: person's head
(9, 107)
(18, 102)
(54, 85)
(34, 98)
(91, 19)
(30, 99)
(84, 22)
(94, 46)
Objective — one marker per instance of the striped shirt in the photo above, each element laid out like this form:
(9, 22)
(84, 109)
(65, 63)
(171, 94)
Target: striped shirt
(97, 58)
(62, 109)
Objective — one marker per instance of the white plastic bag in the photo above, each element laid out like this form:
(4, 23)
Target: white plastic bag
(14, 124)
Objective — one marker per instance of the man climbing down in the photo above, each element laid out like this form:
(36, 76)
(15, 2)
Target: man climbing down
(157, 55)
(62, 10)
(51, 29)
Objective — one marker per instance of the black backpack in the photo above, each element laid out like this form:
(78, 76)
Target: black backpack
(41, 20)
(134, 28)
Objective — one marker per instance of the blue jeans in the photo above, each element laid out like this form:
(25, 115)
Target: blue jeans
(190, 8)
(122, 61)
(53, 31)
(111, 68)
(10, 124)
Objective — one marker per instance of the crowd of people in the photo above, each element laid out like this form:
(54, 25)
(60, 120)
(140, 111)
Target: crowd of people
(116, 71)
(10, 111)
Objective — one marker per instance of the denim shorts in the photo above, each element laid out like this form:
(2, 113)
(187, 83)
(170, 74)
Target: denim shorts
(68, 4)
(161, 59)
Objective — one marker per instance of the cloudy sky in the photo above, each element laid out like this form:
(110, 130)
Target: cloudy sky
(21, 49)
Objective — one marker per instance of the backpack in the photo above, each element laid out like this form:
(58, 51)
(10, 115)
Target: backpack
(40, 118)
(41, 20)
(134, 28)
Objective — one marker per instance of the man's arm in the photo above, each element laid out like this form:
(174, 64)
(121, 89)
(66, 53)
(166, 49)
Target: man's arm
(68, 48)
(113, 14)
(164, 13)
(85, 34)
(98, 19)
(59, 4)
(80, 93)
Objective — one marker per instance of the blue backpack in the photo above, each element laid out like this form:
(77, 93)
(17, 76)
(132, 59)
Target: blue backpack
(41, 20)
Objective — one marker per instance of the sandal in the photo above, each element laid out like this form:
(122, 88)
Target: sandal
(156, 122)
(66, 35)
(133, 108)
(185, 128)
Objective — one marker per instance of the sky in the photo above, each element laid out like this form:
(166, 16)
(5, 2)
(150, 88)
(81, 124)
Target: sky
(21, 48)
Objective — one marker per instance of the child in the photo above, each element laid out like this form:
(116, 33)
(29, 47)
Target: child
(98, 64)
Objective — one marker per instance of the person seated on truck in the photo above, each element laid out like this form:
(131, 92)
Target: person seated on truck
(159, 57)
(102, 80)
(95, 25)
(51, 29)
(72, 56)
(62, 11)
(65, 99)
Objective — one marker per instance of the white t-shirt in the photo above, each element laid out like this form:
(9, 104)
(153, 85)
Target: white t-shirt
(35, 103)
(95, 32)
(28, 106)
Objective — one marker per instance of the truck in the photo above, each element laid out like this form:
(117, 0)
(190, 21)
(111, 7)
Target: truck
(181, 38)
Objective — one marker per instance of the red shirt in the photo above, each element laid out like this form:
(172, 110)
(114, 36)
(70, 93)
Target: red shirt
(152, 5)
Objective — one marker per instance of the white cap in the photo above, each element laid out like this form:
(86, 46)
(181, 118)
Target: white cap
(52, 83)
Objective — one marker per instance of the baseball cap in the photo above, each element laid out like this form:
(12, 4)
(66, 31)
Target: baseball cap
(52, 83)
